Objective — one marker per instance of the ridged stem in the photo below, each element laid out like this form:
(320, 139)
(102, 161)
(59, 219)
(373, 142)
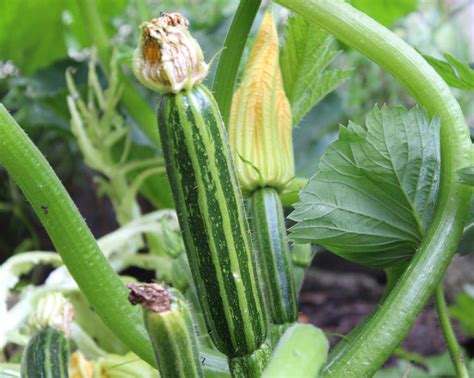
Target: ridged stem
(71, 236)
(229, 62)
(390, 324)
(454, 349)
(273, 255)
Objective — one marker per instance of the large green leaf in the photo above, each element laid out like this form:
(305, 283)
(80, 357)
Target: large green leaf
(375, 191)
(31, 33)
(386, 11)
(454, 72)
(463, 311)
(304, 57)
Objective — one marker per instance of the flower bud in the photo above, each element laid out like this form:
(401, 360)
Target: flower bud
(167, 58)
(261, 121)
(53, 311)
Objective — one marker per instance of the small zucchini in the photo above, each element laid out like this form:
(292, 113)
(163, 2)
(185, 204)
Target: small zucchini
(170, 327)
(46, 355)
(268, 223)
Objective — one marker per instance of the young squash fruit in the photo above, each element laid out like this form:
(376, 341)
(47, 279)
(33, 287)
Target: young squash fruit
(204, 185)
(47, 353)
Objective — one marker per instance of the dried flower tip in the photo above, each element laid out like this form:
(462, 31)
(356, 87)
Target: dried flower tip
(261, 122)
(152, 297)
(167, 58)
(54, 311)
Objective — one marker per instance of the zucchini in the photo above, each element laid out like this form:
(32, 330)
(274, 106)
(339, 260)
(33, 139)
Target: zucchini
(268, 223)
(212, 219)
(46, 355)
(170, 327)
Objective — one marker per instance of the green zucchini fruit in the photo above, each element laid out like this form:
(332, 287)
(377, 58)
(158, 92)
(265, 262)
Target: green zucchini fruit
(171, 330)
(301, 352)
(46, 355)
(268, 224)
(212, 219)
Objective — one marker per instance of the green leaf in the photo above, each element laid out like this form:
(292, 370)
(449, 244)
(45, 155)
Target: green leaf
(304, 57)
(462, 311)
(375, 191)
(31, 33)
(466, 175)
(454, 72)
(386, 11)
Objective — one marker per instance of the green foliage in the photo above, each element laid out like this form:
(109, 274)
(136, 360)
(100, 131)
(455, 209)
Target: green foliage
(34, 34)
(29, 33)
(463, 310)
(374, 194)
(386, 11)
(436, 366)
(466, 175)
(304, 58)
(456, 73)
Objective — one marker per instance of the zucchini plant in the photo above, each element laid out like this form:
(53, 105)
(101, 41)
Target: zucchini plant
(392, 193)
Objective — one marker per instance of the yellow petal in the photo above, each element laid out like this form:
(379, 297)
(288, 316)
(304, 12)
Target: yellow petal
(80, 367)
(260, 122)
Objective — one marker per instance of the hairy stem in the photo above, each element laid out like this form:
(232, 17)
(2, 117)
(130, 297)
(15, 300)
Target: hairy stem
(228, 67)
(454, 349)
(366, 352)
(71, 236)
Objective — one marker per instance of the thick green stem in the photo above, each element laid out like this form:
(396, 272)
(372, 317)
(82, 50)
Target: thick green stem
(71, 236)
(228, 67)
(390, 324)
(454, 349)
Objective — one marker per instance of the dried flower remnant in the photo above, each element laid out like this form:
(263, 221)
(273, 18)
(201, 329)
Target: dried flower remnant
(153, 297)
(168, 59)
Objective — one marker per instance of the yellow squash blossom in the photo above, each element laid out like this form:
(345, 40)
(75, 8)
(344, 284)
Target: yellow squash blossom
(261, 123)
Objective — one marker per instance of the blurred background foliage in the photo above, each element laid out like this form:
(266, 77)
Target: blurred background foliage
(40, 41)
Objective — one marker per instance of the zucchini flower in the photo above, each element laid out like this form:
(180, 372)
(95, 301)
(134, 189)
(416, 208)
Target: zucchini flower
(167, 58)
(54, 311)
(261, 122)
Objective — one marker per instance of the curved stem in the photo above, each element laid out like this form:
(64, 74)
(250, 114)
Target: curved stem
(228, 67)
(71, 236)
(454, 349)
(391, 323)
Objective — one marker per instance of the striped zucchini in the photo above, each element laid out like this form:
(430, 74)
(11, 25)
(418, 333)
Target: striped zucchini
(212, 219)
(46, 355)
(170, 327)
(271, 241)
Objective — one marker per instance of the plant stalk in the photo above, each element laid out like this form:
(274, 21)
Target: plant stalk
(71, 236)
(374, 344)
(454, 349)
(234, 44)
